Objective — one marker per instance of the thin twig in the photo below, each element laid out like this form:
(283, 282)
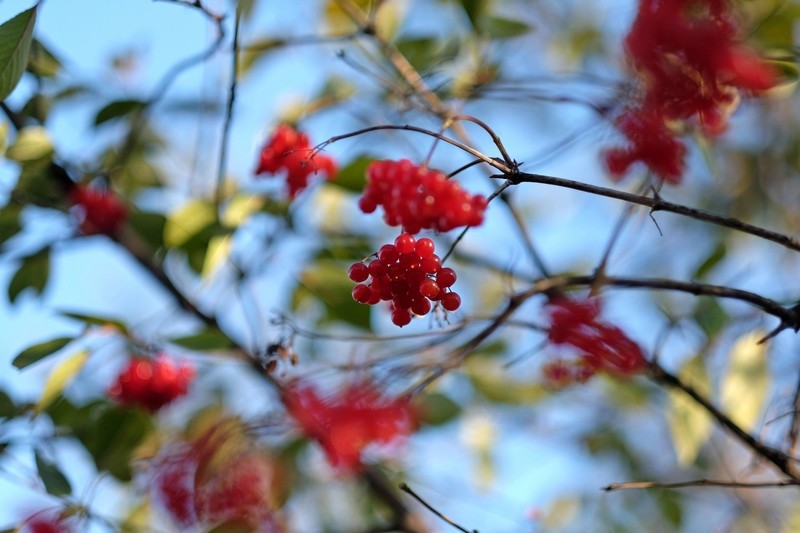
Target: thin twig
(405, 488)
(658, 204)
(226, 127)
(701, 483)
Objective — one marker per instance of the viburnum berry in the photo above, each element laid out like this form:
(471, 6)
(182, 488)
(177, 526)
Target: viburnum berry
(346, 423)
(598, 345)
(692, 67)
(419, 198)
(99, 210)
(290, 152)
(400, 274)
(45, 522)
(151, 383)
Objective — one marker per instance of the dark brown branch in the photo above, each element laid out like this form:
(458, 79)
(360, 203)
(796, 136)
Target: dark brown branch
(658, 204)
(405, 488)
(226, 126)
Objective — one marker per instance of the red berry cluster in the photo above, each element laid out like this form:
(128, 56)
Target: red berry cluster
(216, 481)
(358, 416)
(45, 522)
(410, 275)
(419, 198)
(151, 383)
(290, 151)
(600, 346)
(691, 66)
(100, 211)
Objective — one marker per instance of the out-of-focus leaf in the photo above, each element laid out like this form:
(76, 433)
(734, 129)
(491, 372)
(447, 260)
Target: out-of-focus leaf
(671, 504)
(41, 61)
(206, 340)
(476, 11)
(9, 221)
(436, 409)
(352, 177)
(109, 433)
(745, 385)
(37, 107)
(188, 221)
(149, 226)
(33, 272)
(714, 258)
(39, 351)
(709, 315)
(15, 44)
(500, 387)
(55, 482)
(792, 522)
(751, 523)
(218, 251)
(32, 144)
(503, 28)
(240, 208)
(255, 51)
(388, 18)
(7, 407)
(60, 376)
(690, 425)
(117, 109)
(336, 20)
(325, 281)
(95, 320)
(137, 519)
(560, 513)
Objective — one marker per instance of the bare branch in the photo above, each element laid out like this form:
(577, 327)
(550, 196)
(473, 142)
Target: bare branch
(701, 483)
(405, 488)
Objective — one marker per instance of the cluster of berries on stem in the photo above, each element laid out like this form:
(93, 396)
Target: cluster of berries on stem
(419, 198)
(100, 211)
(291, 152)
(151, 383)
(598, 345)
(346, 423)
(410, 275)
(691, 66)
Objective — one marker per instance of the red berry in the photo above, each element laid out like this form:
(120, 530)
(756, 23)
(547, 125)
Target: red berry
(378, 268)
(409, 261)
(424, 247)
(362, 293)
(421, 306)
(451, 301)
(389, 253)
(446, 277)
(358, 272)
(404, 243)
(429, 289)
(431, 264)
(401, 317)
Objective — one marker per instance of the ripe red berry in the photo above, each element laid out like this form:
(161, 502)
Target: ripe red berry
(424, 247)
(431, 264)
(429, 289)
(151, 383)
(358, 272)
(404, 243)
(420, 306)
(100, 210)
(451, 301)
(446, 277)
(401, 317)
(388, 253)
(362, 293)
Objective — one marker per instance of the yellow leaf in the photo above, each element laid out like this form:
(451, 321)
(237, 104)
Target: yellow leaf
(689, 424)
(60, 376)
(32, 143)
(188, 221)
(240, 208)
(219, 248)
(745, 385)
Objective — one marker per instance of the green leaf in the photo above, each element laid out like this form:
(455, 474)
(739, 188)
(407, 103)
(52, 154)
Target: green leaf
(15, 44)
(499, 387)
(476, 12)
(95, 320)
(206, 340)
(353, 176)
(746, 383)
(188, 221)
(325, 281)
(709, 315)
(7, 407)
(54, 481)
(503, 28)
(149, 226)
(33, 272)
(437, 409)
(9, 221)
(42, 62)
(37, 352)
(60, 376)
(689, 423)
(117, 109)
(714, 258)
(32, 144)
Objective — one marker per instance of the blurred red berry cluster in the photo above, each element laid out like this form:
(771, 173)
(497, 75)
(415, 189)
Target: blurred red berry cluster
(691, 66)
(419, 198)
(290, 151)
(410, 275)
(45, 522)
(100, 211)
(600, 346)
(151, 383)
(345, 424)
(218, 481)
